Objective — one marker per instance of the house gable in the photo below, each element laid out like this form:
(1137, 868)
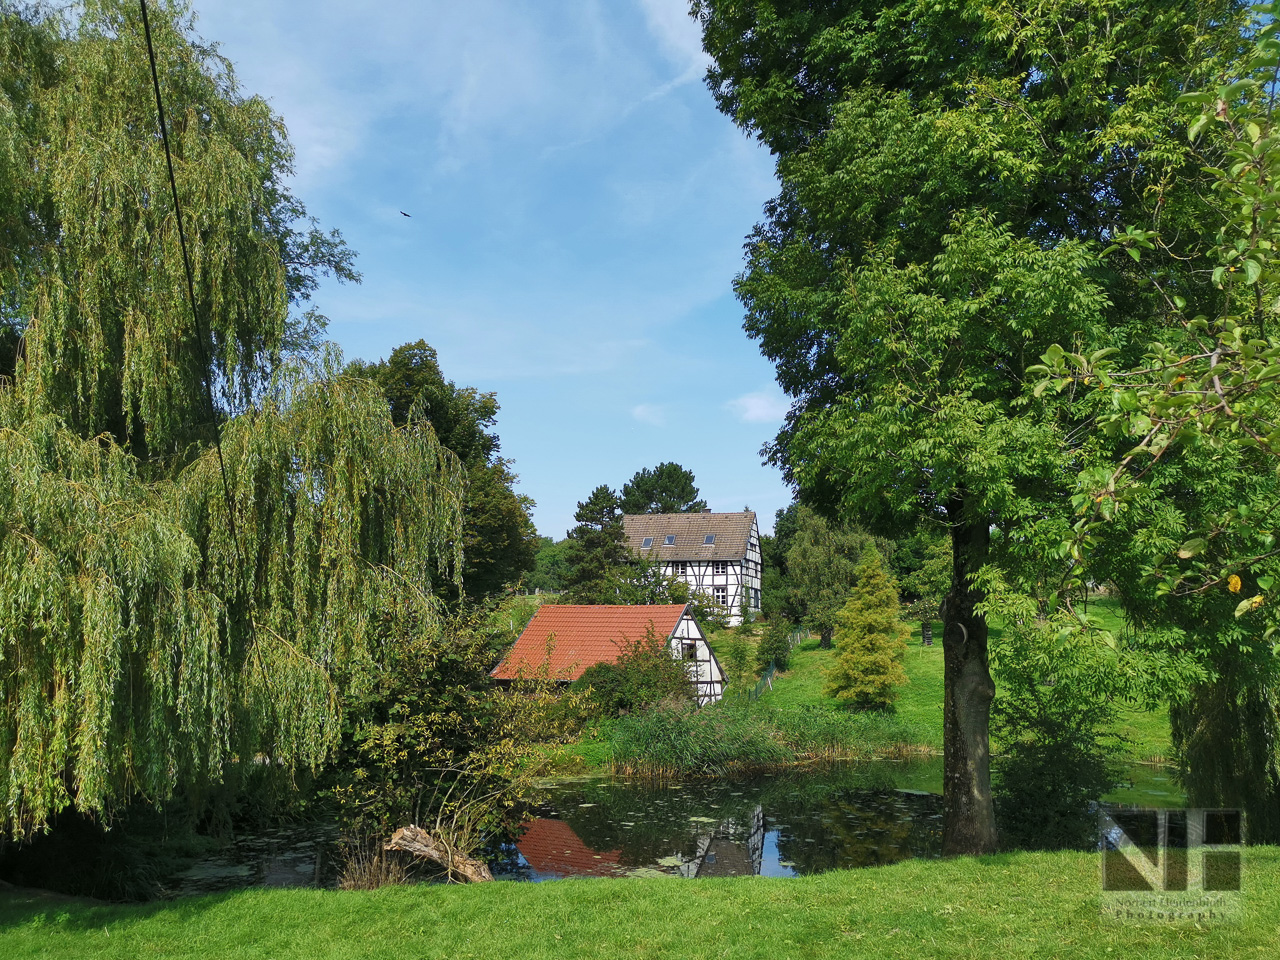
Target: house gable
(562, 641)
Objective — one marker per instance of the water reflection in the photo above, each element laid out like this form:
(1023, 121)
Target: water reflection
(781, 826)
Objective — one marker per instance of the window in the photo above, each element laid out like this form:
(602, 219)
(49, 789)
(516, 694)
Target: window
(755, 599)
(646, 543)
(680, 568)
(720, 567)
(720, 595)
(690, 651)
(709, 538)
(670, 540)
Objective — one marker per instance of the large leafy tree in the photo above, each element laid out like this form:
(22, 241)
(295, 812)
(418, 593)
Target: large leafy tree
(499, 539)
(172, 608)
(1187, 504)
(667, 488)
(944, 169)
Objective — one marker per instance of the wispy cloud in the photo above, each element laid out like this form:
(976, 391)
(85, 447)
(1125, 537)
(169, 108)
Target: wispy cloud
(762, 406)
(650, 413)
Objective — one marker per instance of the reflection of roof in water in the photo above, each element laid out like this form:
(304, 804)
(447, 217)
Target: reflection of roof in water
(551, 846)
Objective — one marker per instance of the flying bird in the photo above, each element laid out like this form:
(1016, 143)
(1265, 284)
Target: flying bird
(403, 214)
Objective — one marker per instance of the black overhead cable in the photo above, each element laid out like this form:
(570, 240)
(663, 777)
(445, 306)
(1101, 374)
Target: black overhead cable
(191, 288)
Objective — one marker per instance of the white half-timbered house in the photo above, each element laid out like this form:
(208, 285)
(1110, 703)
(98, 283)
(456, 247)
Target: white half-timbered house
(717, 554)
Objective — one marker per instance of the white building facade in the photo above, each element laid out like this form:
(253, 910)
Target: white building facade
(717, 554)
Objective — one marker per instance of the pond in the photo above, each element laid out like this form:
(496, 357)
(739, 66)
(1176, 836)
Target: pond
(789, 824)
(792, 823)
(784, 825)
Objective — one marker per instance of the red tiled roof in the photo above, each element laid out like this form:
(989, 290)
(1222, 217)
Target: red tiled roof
(584, 636)
(551, 846)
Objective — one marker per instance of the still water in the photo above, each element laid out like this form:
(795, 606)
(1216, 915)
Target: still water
(789, 824)
(784, 825)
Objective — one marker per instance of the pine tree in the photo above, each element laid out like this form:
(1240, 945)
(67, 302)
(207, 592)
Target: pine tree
(871, 641)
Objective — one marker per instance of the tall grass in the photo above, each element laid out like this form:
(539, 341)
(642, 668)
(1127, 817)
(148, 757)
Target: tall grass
(675, 740)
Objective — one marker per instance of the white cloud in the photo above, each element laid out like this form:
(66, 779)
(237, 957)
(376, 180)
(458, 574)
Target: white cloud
(677, 33)
(649, 413)
(762, 406)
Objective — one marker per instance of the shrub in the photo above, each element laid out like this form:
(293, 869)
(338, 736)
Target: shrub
(1055, 759)
(644, 674)
(871, 641)
(775, 645)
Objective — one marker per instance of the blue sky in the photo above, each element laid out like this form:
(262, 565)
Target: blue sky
(578, 209)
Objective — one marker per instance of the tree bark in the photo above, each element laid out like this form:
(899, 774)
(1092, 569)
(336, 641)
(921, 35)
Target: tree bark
(969, 825)
(418, 842)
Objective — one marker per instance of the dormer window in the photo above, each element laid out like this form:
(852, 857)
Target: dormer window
(669, 540)
(709, 539)
(646, 543)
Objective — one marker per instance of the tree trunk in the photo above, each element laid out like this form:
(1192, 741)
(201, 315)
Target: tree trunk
(418, 842)
(969, 825)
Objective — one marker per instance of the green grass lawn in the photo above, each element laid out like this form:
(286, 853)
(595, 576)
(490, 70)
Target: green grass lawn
(1007, 905)
(1146, 733)
(919, 702)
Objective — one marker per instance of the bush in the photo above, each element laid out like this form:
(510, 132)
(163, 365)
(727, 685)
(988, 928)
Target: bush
(871, 641)
(1055, 759)
(644, 674)
(775, 645)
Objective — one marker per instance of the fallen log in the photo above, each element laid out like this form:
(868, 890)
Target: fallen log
(418, 842)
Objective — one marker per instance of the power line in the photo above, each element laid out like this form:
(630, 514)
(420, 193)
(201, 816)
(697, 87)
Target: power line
(191, 289)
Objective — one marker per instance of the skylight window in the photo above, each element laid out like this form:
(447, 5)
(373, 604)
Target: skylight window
(670, 540)
(646, 543)
(710, 538)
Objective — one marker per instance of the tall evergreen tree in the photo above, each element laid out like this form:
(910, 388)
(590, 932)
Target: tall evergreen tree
(597, 548)
(871, 641)
(667, 488)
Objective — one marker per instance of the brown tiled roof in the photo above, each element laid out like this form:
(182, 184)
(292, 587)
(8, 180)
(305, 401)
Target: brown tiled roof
(584, 636)
(551, 846)
(732, 531)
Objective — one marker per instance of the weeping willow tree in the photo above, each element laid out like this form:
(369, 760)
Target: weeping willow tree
(185, 586)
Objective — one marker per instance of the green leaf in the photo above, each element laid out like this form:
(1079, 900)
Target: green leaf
(1192, 548)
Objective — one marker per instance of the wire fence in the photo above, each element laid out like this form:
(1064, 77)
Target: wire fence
(766, 679)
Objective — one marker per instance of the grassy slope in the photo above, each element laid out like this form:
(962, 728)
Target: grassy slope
(920, 701)
(1009, 905)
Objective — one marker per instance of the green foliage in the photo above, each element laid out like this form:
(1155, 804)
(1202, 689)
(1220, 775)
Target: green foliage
(667, 488)
(433, 741)
(1225, 733)
(550, 566)
(645, 673)
(677, 739)
(499, 539)
(1055, 758)
(821, 564)
(173, 611)
(737, 663)
(154, 647)
(775, 644)
(597, 547)
(871, 641)
(922, 566)
(90, 265)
